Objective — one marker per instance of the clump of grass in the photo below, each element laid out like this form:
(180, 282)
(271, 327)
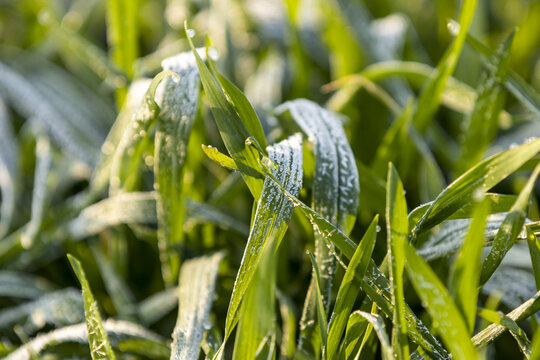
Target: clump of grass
(210, 222)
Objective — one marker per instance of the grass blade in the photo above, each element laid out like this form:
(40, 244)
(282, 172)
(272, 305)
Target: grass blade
(100, 348)
(466, 271)
(272, 215)
(483, 176)
(349, 288)
(518, 334)
(321, 312)
(335, 194)
(231, 126)
(534, 250)
(446, 317)
(397, 227)
(378, 325)
(197, 286)
(179, 103)
(509, 230)
(482, 124)
(430, 96)
(135, 140)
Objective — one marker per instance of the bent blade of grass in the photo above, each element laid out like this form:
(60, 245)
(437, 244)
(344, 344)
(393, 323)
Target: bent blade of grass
(179, 102)
(430, 96)
(438, 303)
(349, 288)
(493, 331)
(465, 274)
(195, 296)
(397, 228)
(483, 176)
(375, 284)
(273, 213)
(135, 140)
(231, 126)
(509, 230)
(335, 194)
(378, 325)
(482, 123)
(9, 170)
(518, 334)
(100, 348)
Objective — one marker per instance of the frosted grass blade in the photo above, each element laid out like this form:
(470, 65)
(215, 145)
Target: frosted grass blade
(273, 212)
(100, 348)
(179, 102)
(8, 168)
(195, 296)
(518, 334)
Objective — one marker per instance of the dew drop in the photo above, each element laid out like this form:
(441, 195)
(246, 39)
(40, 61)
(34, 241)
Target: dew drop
(213, 53)
(175, 78)
(191, 33)
(378, 228)
(248, 142)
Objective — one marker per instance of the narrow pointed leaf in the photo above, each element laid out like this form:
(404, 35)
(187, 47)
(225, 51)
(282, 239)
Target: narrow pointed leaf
(100, 348)
(378, 325)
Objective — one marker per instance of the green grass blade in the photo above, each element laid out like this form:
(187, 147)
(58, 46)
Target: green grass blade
(257, 317)
(482, 124)
(179, 103)
(431, 93)
(517, 86)
(446, 317)
(335, 194)
(397, 228)
(374, 281)
(321, 312)
(535, 353)
(378, 325)
(518, 334)
(9, 167)
(196, 293)
(483, 176)
(349, 288)
(272, 215)
(122, 33)
(231, 127)
(465, 275)
(534, 250)
(100, 348)
(222, 159)
(288, 319)
(493, 331)
(135, 140)
(509, 230)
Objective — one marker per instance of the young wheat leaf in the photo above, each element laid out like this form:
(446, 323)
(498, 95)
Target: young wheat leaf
(397, 228)
(374, 283)
(482, 124)
(195, 296)
(430, 96)
(122, 32)
(535, 347)
(493, 331)
(9, 169)
(335, 194)
(509, 230)
(518, 334)
(378, 325)
(100, 348)
(231, 126)
(446, 317)
(222, 159)
(321, 312)
(349, 288)
(482, 177)
(273, 213)
(135, 140)
(466, 271)
(178, 102)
